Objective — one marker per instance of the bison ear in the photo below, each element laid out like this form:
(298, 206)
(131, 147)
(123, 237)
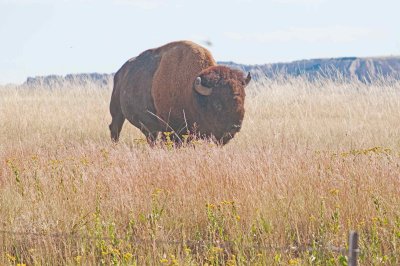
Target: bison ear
(248, 78)
(200, 88)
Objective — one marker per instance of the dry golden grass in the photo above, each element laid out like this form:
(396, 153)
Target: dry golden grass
(313, 160)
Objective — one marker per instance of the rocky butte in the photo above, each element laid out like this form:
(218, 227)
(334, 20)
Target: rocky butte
(363, 69)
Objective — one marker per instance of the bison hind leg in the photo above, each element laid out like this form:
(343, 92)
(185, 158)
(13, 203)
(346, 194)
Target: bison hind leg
(116, 126)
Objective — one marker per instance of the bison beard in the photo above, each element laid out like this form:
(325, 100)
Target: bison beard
(176, 87)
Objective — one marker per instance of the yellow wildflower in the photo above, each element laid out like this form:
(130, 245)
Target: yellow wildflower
(216, 250)
(11, 257)
(210, 206)
(334, 191)
(116, 252)
(164, 261)
(188, 251)
(231, 261)
(128, 256)
(78, 259)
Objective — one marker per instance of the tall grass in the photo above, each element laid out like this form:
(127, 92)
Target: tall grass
(314, 159)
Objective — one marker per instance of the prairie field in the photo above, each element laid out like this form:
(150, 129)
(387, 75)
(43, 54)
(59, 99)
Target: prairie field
(314, 160)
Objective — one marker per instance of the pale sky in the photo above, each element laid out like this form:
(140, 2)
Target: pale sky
(41, 37)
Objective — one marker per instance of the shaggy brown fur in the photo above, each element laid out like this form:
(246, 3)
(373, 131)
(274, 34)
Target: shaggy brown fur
(222, 76)
(155, 92)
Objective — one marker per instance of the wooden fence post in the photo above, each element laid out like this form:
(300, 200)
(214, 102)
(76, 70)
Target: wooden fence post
(353, 248)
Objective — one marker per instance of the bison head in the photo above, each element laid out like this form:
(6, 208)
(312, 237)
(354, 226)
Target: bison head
(219, 95)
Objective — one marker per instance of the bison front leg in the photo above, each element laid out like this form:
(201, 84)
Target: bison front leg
(152, 139)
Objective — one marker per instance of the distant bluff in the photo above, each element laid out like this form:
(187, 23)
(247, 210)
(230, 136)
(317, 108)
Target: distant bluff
(363, 69)
(70, 79)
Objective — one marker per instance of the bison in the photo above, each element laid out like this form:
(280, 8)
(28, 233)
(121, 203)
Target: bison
(178, 88)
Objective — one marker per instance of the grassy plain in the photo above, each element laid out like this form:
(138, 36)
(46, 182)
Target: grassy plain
(313, 161)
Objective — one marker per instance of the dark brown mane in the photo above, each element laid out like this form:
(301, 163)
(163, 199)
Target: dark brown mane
(220, 76)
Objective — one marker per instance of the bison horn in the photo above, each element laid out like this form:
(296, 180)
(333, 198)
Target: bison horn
(200, 88)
